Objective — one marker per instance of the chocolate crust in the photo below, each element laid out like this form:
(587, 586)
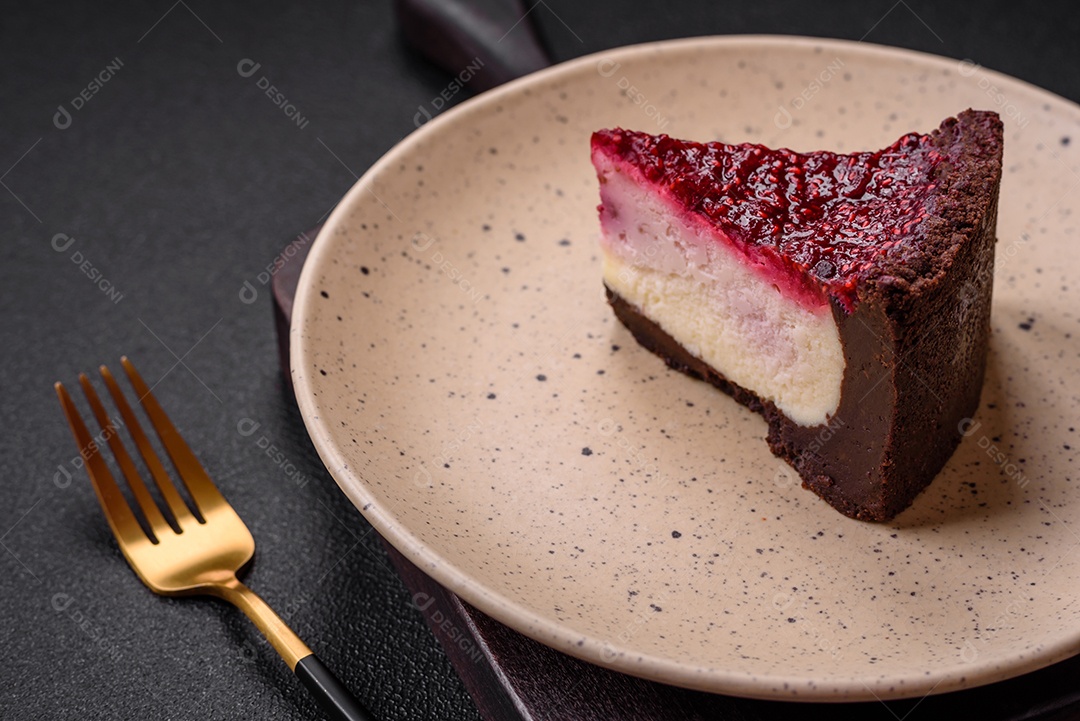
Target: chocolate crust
(915, 345)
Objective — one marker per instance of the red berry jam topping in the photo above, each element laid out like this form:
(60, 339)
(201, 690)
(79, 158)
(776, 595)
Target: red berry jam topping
(824, 217)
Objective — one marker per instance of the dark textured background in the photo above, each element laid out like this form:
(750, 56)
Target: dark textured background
(180, 180)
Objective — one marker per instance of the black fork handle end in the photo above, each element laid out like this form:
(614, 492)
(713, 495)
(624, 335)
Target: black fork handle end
(336, 700)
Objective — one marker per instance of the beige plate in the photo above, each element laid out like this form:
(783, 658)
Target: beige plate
(470, 390)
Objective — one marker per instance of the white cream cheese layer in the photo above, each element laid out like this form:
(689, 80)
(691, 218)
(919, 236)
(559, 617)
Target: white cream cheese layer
(714, 303)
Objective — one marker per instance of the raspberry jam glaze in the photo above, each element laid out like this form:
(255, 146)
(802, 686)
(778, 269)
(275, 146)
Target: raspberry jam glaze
(820, 218)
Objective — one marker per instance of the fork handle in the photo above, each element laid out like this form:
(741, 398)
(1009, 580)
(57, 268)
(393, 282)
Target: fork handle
(335, 699)
(332, 695)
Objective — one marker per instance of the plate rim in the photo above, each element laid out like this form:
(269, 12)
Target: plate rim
(513, 613)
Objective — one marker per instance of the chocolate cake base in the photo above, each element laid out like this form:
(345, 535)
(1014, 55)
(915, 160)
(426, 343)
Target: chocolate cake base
(897, 424)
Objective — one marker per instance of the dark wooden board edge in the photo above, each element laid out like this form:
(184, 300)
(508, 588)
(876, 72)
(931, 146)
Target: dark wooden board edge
(454, 626)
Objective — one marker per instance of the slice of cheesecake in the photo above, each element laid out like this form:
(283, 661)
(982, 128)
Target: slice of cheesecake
(844, 297)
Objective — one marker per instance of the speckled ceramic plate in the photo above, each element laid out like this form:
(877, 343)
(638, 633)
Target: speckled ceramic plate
(468, 387)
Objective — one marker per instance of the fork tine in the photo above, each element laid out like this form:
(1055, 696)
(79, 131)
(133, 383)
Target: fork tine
(117, 511)
(173, 499)
(158, 524)
(202, 489)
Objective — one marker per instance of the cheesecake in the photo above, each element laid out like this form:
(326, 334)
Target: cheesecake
(844, 297)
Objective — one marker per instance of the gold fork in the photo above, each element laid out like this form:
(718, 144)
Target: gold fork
(211, 544)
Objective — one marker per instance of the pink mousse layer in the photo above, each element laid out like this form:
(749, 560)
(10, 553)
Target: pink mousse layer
(763, 261)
